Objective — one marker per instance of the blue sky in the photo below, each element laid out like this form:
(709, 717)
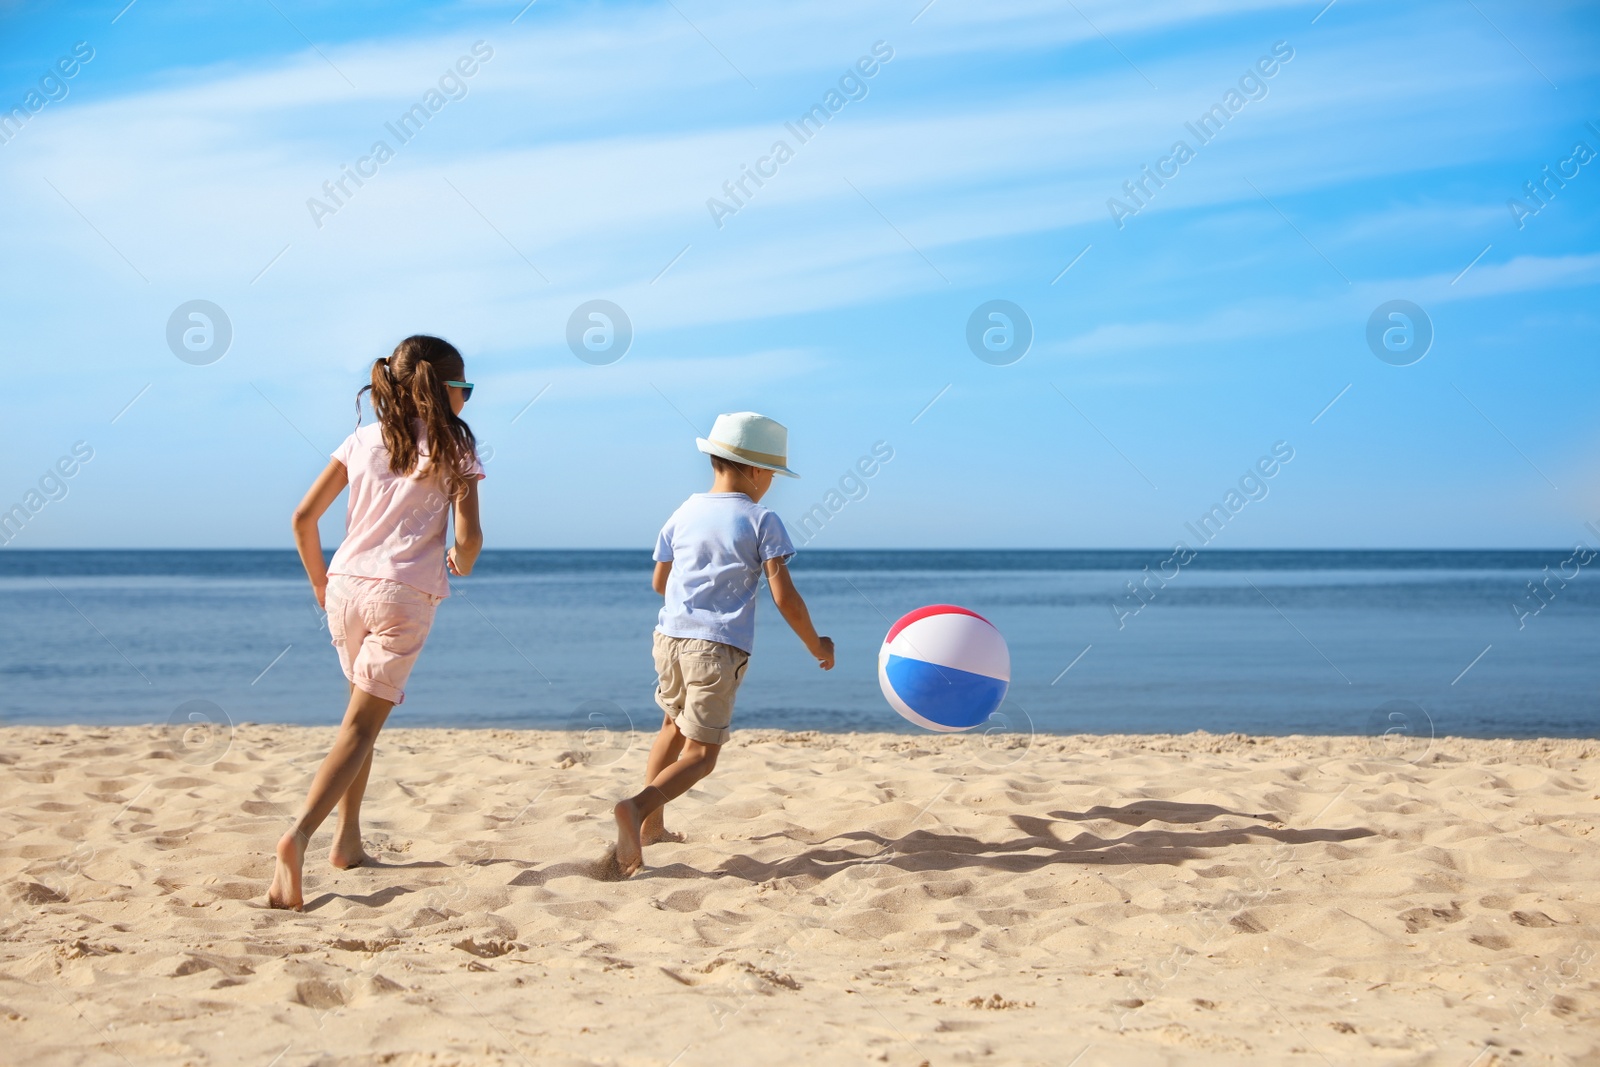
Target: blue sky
(1222, 317)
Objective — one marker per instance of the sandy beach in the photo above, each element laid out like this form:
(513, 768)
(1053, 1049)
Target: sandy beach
(866, 898)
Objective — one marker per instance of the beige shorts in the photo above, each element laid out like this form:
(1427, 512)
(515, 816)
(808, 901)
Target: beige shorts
(379, 628)
(695, 685)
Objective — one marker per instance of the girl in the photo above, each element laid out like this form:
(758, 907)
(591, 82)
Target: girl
(388, 576)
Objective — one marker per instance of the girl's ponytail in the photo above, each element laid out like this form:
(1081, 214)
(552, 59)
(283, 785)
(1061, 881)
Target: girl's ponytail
(412, 403)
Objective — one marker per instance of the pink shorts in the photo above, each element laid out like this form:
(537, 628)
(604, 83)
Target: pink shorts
(379, 628)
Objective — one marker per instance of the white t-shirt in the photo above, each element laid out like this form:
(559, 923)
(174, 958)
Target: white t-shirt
(395, 526)
(717, 543)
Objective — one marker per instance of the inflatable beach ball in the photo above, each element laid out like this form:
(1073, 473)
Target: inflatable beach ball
(944, 667)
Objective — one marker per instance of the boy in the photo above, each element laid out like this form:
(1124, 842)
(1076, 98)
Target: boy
(709, 558)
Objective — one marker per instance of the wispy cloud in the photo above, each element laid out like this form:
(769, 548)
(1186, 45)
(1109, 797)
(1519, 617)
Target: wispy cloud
(1298, 316)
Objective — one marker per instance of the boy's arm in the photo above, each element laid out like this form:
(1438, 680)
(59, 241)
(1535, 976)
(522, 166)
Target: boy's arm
(793, 609)
(323, 492)
(658, 580)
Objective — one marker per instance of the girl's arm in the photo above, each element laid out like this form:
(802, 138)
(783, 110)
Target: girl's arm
(323, 492)
(469, 535)
(658, 580)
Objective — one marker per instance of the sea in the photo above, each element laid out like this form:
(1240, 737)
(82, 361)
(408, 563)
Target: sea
(1420, 642)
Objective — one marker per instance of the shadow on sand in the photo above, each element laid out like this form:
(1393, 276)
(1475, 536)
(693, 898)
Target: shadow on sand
(1039, 845)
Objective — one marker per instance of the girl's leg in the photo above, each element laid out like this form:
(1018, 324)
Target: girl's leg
(699, 759)
(665, 751)
(351, 750)
(347, 851)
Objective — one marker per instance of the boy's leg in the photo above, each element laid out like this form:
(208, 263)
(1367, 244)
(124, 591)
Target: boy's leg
(668, 745)
(363, 719)
(676, 779)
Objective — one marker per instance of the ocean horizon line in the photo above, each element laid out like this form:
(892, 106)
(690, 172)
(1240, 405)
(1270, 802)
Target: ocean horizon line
(284, 562)
(1037, 549)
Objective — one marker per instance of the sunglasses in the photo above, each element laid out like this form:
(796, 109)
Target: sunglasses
(466, 388)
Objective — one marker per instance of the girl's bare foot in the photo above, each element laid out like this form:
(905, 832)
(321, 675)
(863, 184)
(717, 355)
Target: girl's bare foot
(347, 851)
(653, 832)
(285, 891)
(630, 852)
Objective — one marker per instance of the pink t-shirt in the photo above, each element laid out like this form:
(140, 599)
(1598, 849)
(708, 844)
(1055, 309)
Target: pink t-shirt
(395, 527)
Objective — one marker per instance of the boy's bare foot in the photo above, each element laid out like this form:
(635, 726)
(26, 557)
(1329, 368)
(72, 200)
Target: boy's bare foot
(347, 852)
(630, 852)
(285, 891)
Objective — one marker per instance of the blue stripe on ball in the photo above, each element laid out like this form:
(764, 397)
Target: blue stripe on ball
(945, 695)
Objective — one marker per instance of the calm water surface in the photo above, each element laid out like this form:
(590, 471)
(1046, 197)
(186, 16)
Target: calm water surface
(1257, 642)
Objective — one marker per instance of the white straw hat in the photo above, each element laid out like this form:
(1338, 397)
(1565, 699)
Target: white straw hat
(745, 437)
